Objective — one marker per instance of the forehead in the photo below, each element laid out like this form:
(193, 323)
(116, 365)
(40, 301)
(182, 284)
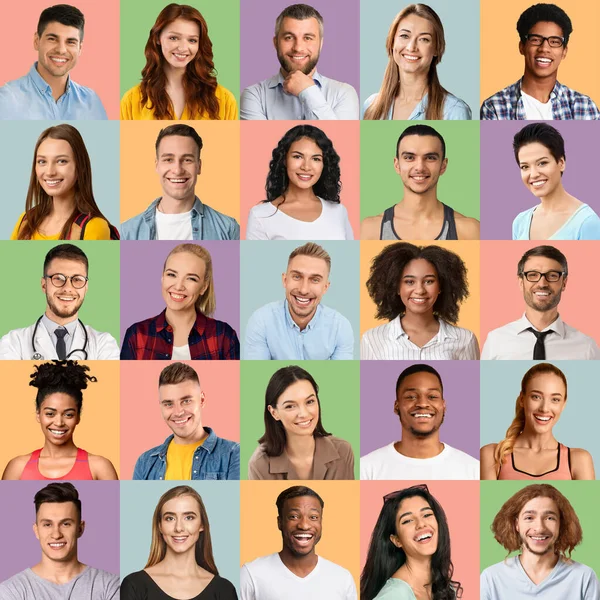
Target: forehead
(306, 146)
(419, 267)
(181, 504)
(541, 263)
(179, 390)
(61, 31)
(186, 262)
(309, 265)
(547, 382)
(60, 401)
(52, 147)
(183, 27)
(415, 24)
(66, 266)
(299, 27)
(534, 151)
(302, 503)
(422, 380)
(414, 504)
(420, 144)
(540, 504)
(299, 390)
(178, 145)
(546, 28)
(57, 511)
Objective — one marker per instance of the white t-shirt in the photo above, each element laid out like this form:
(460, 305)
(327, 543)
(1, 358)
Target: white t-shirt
(387, 463)
(181, 353)
(267, 578)
(534, 109)
(174, 227)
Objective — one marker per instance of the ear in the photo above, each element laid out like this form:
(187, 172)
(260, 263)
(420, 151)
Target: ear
(521, 401)
(327, 286)
(565, 50)
(321, 44)
(36, 41)
(199, 165)
(562, 164)
(521, 282)
(444, 166)
(37, 416)
(564, 285)
(396, 408)
(35, 531)
(275, 42)
(44, 284)
(283, 278)
(397, 165)
(394, 539)
(273, 412)
(202, 399)
(517, 526)
(521, 48)
(81, 529)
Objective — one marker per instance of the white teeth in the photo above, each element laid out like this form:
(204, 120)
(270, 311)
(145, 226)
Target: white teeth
(303, 423)
(538, 183)
(421, 415)
(303, 300)
(425, 536)
(410, 58)
(419, 177)
(57, 432)
(177, 180)
(418, 300)
(177, 296)
(542, 418)
(53, 181)
(542, 293)
(58, 545)
(59, 60)
(539, 538)
(304, 536)
(544, 60)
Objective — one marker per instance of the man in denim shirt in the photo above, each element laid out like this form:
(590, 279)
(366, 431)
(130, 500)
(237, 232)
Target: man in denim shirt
(193, 451)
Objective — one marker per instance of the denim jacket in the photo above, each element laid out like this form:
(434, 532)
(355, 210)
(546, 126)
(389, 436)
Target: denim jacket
(216, 458)
(207, 224)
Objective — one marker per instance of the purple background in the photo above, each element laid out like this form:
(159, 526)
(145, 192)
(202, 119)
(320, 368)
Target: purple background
(340, 55)
(503, 194)
(99, 544)
(379, 425)
(141, 270)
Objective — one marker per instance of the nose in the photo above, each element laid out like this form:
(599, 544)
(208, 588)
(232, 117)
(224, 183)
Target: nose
(304, 286)
(56, 532)
(303, 522)
(179, 284)
(305, 166)
(412, 43)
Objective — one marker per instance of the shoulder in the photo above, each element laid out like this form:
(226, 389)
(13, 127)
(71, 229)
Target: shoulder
(259, 456)
(333, 569)
(340, 85)
(217, 215)
(499, 570)
(101, 467)
(487, 451)
(467, 334)
(15, 467)
(455, 108)
(97, 229)
(377, 333)
(520, 226)
(331, 314)
(144, 326)
(506, 93)
(268, 310)
(468, 228)
(221, 327)
(223, 585)
(130, 228)
(255, 89)
(582, 464)
(227, 445)
(102, 579)
(262, 210)
(132, 95)
(335, 209)
(379, 453)
(17, 587)
(582, 571)
(342, 446)
(148, 453)
(370, 227)
(99, 335)
(395, 589)
(369, 101)
(223, 94)
(459, 456)
(137, 580)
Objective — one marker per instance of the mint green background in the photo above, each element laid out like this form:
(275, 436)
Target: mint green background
(222, 18)
(339, 396)
(578, 423)
(459, 70)
(222, 502)
(583, 496)
(23, 263)
(380, 185)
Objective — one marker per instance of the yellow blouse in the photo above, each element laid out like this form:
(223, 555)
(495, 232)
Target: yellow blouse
(132, 109)
(96, 229)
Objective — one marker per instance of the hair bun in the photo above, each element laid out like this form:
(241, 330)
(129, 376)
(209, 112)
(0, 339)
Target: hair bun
(61, 373)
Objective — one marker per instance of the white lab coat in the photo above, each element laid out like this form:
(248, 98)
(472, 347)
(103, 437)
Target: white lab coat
(16, 344)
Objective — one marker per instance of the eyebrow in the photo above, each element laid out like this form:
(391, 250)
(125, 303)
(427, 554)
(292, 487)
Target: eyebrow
(57, 156)
(544, 513)
(415, 389)
(70, 39)
(302, 153)
(303, 273)
(67, 520)
(189, 512)
(173, 400)
(170, 154)
(410, 31)
(410, 513)
(522, 162)
(188, 34)
(540, 392)
(174, 271)
(409, 153)
(415, 277)
(307, 398)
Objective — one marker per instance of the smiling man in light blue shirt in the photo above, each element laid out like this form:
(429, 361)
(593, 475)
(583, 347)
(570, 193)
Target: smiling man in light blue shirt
(299, 327)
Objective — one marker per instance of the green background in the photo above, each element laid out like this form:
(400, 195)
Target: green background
(339, 396)
(380, 185)
(583, 497)
(23, 262)
(222, 18)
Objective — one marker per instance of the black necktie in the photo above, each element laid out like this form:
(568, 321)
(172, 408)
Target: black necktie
(61, 347)
(539, 350)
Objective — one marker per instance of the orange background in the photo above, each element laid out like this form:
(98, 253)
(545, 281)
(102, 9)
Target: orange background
(260, 138)
(218, 184)
(502, 65)
(467, 250)
(98, 431)
(143, 426)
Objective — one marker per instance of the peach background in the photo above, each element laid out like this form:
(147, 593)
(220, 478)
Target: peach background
(260, 138)
(502, 65)
(467, 250)
(502, 300)
(340, 537)
(218, 184)
(98, 431)
(460, 501)
(143, 426)
(98, 64)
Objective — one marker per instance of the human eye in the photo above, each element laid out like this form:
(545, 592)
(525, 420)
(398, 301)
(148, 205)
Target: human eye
(186, 401)
(430, 281)
(190, 517)
(403, 36)
(409, 281)
(295, 276)
(173, 37)
(311, 401)
(524, 167)
(425, 39)
(41, 161)
(427, 515)
(317, 158)
(194, 279)
(405, 521)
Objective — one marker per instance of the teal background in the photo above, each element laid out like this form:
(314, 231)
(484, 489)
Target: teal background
(222, 502)
(459, 70)
(577, 426)
(583, 496)
(100, 309)
(261, 269)
(222, 18)
(102, 142)
(339, 397)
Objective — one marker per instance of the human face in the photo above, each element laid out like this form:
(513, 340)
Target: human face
(305, 282)
(543, 61)
(178, 165)
(58, 527)
(179, 42)
(297, 409)
(183, 281)
(420, 404)
(414, 45)
(419, 287)
(64, 302)
(298, 45)
(541, 295)
(544, 401)
(55, 167)
(300, 525)
(540, 172)
(416, 528)
(180, 524)
(538, 525)
(420, 162)
(58, 417)
(181, 406)
(304, 163)
(58, 49)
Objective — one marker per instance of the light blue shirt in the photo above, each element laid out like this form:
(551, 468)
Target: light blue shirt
(396, 589)
(455, 109)
(30, 97)
(583, 224)
(327, 99)
(272, 334)
(51, 327)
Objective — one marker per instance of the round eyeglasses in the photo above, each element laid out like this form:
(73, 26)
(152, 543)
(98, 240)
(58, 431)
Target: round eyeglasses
(59, 280)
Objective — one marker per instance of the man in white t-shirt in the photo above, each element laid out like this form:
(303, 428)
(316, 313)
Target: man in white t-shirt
(297, 573)
(420, 454)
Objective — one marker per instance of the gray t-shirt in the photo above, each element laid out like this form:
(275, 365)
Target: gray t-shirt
(90, 584)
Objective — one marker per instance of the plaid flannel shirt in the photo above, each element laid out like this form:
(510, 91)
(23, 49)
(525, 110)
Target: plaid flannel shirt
(567, 104)
(152, 339)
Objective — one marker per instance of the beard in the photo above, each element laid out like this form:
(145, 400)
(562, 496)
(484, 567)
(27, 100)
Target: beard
(531, 301)
(66, 313)
(549, 548)
(420, 433)
(289, 66)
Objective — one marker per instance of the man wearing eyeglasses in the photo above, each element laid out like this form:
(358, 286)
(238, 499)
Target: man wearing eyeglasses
(59, 333)
(544, 31)
(540, 334)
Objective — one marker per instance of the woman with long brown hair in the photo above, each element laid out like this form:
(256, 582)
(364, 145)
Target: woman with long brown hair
(179, 81)
(411, 89)
(181, 562)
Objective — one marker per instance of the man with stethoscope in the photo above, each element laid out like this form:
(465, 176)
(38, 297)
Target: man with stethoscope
(59, 333)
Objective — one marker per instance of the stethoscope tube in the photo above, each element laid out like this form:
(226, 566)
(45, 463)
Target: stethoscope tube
(38, 356)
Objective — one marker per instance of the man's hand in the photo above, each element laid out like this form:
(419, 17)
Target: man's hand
(296, 82)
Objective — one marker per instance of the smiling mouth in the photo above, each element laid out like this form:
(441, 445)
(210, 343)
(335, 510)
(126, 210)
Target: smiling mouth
(67, 298)
(419, 178)
(304, 424)
(422, 415)
(418, 300)
(303, 301)
(57, 545)
(177, 180)
(297, 57)
(537, 184)
(539, 538)
(53, 182)
(304, 177)
(411, 57)
(177, 297)
(424, 537)
(544, 62)
(180, 422)
(58, 432)
(303, 539)
(180, 56)
(541, 294)
(179, 539)
(542, 419)
(58, 61)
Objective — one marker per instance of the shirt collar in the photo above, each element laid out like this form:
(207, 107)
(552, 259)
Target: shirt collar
(445, 332)
(291, 323)
(523, 324)
(162, 323)
(557, 90)
(325, 452)
(51, 326)
(197, 209)
(278, 79)
(209, 443)
(41, 84)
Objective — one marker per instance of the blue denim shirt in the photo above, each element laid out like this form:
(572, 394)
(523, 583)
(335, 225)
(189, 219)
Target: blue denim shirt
(207, 224)
(216, 458)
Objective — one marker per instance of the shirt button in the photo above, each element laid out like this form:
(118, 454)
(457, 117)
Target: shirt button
(160, 477)
(196, 458)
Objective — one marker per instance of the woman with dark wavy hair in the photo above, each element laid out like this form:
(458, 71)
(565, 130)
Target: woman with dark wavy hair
(179, 80)
(303, 191)
(409, 553)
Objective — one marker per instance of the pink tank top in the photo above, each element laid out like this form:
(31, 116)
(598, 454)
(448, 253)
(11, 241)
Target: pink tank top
(562, 471)
(80, 470)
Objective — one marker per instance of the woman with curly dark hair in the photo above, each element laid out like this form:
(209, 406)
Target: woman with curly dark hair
(58, 411)
(303, 191)
(418, 289)
(179, 81)
(409, 552)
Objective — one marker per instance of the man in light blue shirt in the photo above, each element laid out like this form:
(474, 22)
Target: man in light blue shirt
(298, 91)
(47, 91)
(299, 327)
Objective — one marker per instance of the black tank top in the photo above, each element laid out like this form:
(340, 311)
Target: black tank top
(448, 231)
